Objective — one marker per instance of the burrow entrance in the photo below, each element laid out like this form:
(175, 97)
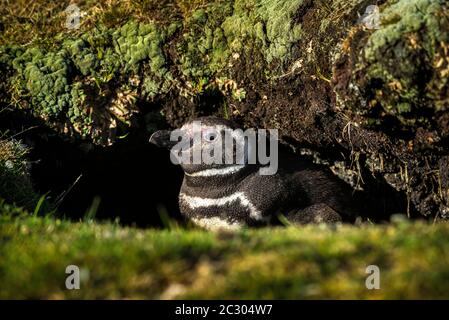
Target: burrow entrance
(132, 181)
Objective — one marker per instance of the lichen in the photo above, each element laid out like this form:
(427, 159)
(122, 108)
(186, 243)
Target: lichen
(282, 29)
(218, 32)
(135, 42)
(75, 81)
(77, 85)
(405, 63)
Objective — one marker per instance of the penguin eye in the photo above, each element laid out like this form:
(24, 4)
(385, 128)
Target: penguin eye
(210, 136)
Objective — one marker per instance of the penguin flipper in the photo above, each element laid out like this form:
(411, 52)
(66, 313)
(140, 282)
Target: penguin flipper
(316, 213)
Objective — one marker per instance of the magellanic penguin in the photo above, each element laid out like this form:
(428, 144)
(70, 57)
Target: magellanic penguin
(231, 196)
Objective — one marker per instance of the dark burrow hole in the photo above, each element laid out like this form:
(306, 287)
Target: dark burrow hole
(134, 181)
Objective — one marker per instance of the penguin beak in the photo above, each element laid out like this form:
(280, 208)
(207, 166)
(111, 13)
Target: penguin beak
(161, 139)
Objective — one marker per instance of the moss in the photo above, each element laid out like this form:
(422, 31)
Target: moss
(203, 48)
(75, 85)
(81, 93)
(82, 56)
(46, 78)
(226, 28)
(282, 30)
(135, 42)
(404, 62)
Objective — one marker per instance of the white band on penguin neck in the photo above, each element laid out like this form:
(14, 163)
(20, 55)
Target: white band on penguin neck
(216, 172)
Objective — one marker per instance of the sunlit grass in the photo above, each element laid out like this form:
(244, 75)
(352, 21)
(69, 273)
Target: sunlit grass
(286, 263)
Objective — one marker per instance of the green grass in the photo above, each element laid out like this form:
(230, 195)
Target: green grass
(284, 263)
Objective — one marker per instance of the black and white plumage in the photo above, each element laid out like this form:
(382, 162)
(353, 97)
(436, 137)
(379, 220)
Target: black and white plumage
(221, 196)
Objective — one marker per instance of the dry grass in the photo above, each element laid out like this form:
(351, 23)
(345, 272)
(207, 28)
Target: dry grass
(25, 21)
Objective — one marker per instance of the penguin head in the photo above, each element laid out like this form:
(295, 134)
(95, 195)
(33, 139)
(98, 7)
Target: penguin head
(205, 146)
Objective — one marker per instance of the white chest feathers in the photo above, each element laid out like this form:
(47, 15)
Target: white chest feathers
(217, 222)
